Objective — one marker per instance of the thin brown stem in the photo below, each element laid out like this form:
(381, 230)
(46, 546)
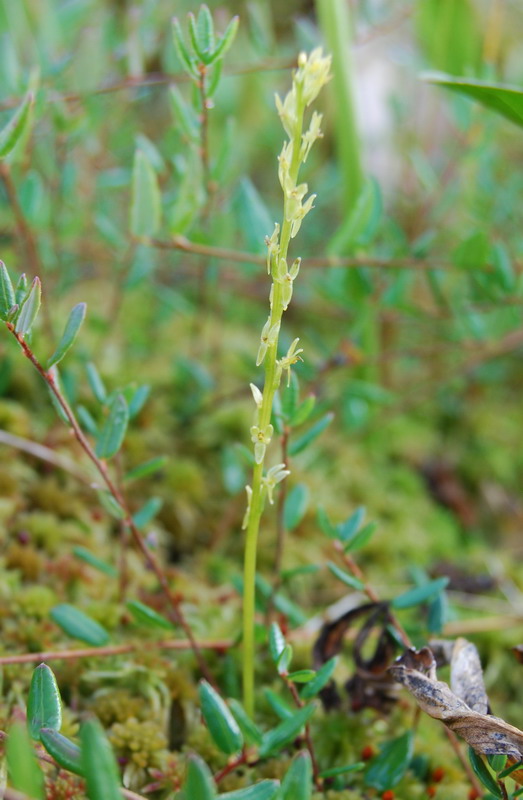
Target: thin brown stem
(44, 453)
(219, 646)
(228, 254)
(174, 602)
(231, 766)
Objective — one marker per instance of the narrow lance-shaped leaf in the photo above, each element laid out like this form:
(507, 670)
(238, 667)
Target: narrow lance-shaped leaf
(297, 445)
(11, 134)
(506, 100)
(183, 114)
(348, 580)
(420, 594)
(113, 431)
(321, 680)
(286, 731)
(148, 616)
(96, 383)
(222, 726)
(297, 783)
(44, 706)
(24, 773)
(483, 773)
(389, 766)
(147, 468)
(21, 289)
(147, 511)
(77, 624)
(182, 50)
(250, 730)
(295, 506)
(199, 784)
(29, 309)
(72, 326)
(276, 641)
(264, 790)
(97, 563)
(99, 763)
(65, 752)
(146, 202)
(227, 39)
(7, 293)
(205, 33)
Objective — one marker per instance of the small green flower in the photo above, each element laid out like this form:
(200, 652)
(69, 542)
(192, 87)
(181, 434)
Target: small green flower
(274, 476)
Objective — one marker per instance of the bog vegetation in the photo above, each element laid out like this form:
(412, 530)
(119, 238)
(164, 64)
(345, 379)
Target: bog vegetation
(260, 400)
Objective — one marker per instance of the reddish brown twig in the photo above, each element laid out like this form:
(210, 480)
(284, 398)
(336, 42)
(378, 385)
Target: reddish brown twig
(174, 602)
(308, 738)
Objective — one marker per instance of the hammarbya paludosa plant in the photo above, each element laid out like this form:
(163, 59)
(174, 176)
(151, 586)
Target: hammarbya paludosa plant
(312, 74)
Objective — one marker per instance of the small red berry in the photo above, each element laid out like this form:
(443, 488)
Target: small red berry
(473, 795)
(438, 774)
(388, 795)
(431, 791)
(367, 752)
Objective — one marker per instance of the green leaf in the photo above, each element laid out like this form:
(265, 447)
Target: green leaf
(504, 99)
(509, 770)
(11, 134)
(96, 383)
(113, 508)
(348, 580)
(199, 783)
(85, 555)
(138, 400)
(303, 411)
(264, 790)
(349, 528)
(497, 761)
(222, 726)
(24, 772)
(29, 308)
(276, 641)
(183, 115)
(290, 396)
(250, 730)
(483, 773)
(284, 659)
(181, 49)
(227, 39)
(77, 624)
(147, 511)
(286, 732)
(148, 616)
(72, 326)
(21, 289)
(323, 676)
(295, 506)
(472, 252)
(334, 771)
(65, 752)
(205, 33)
(325, 524)
(7, 293)
(147, 468)
(280, 707)
(146, 201)
(361, 224)
(361, 538)
(302, 675)
(44, 706)
(389, 766)
(420, 594)
(113, 431)
(302, 442)
(98, 763)
(297, 783)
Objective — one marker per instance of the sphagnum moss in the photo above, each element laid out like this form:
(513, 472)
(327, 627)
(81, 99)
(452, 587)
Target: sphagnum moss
(308, 80)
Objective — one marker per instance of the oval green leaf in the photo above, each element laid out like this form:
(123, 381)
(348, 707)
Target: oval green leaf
(89, 558)
(65, 752)
(389, 766)
(11, 134)
(348, 580)
(276, 641)
(72, 326)
(297, 782)
(29, 308)
(199, 783)
(147, 511)
(7, 292)
(146, 201)
(420, 594)
(302, 442)
(221, 724)
(250, 730)
(264, 790)
(44, 706)
(24, 772)
(147, 616)
(113, 431)
(77, 624)
(295, 506)
(98, 763)
(321, 680)
(286, 731)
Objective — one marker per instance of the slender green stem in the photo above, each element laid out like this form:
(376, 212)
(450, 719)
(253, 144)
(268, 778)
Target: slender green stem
(272, 379)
